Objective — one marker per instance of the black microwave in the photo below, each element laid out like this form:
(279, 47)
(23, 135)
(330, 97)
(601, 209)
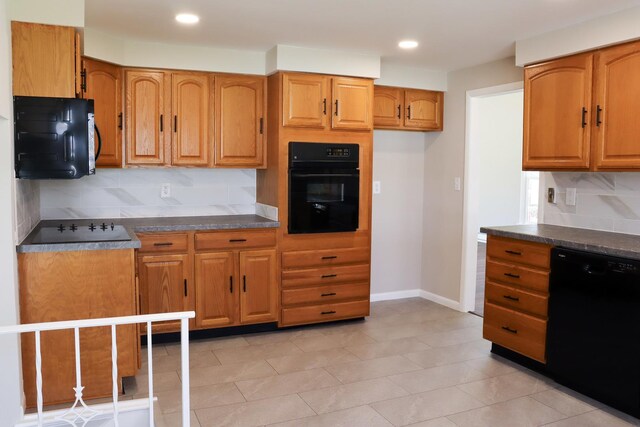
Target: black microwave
(54, 137)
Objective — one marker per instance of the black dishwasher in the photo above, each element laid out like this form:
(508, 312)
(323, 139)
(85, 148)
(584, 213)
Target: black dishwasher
(593, 335)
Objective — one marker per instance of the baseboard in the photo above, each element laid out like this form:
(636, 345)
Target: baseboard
(387, 296)
(440, 300)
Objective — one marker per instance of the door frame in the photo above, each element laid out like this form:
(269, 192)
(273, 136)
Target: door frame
(471, 199)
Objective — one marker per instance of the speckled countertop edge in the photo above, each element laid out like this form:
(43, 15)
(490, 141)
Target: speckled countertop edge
(602, 242)
(141, 225)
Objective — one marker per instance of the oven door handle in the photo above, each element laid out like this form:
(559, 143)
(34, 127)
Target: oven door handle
(325, 175)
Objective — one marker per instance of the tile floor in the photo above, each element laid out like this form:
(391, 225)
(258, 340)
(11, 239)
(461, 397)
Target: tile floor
(412, 362)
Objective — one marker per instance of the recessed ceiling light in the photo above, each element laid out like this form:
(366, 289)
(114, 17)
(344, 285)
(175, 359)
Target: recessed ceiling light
(187, 18)
(408, 44)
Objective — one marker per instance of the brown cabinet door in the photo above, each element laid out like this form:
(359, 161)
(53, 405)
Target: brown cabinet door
(44, 61)
(387, 107)
(190, 142)
(558, 114)
(216, 289)
(617, 92)
(104, 86)
(423, 109)
(259, 293)
(304, 100)
(147, 122)
(239, 121)
(352, 102)
(164, 287)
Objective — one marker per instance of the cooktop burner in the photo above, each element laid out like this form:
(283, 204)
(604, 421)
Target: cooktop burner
(72, 233)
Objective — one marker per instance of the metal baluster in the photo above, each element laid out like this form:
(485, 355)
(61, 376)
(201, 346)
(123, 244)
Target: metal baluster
(184, 345)
(79, 387)
(150, 372)
(114, 373)
(39, 377)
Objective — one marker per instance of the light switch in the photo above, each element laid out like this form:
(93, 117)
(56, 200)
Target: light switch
(165, 191)
(376, 187)
(571, 197)
(551, 195)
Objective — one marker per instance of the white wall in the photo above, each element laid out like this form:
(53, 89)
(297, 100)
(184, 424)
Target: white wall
(11, 389)
(499, 158)
(411, 77)
(444, 160)
(58, 12)
(304, 59)
(396, 249)
(602, 31)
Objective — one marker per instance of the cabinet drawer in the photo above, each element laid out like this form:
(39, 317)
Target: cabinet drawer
(517, 299)
(529, 253)
(324, 294)
(324, 312)
(325, 275)
(235, 239)
(325, 257)
(516, 331)
(164, 242)
(537, 280)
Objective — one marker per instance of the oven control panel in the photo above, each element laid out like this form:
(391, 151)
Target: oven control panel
(338, 152)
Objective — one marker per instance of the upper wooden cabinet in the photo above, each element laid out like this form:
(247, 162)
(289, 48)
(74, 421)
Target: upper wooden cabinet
(617, 93)
(557, 114)
(408, 109)
(190, 100)
(46, 59)
(579, 111)
(147, 117)
(240, 104)
(103, 84)
(306, 102)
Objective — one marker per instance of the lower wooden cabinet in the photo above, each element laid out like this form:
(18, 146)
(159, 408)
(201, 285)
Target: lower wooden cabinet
(216, 304)
(259, 296)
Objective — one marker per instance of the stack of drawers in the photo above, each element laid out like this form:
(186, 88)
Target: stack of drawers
(324, 285)
(517, 295)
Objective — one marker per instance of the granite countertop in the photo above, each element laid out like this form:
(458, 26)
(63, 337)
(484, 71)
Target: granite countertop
(141, 225)
(602, 242)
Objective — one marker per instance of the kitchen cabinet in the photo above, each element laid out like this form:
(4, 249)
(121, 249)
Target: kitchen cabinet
(306, 102)
(408, 109)
(579, 111)
(73, 285)
(517, 296)
(190, 137)
(259, 297)
(240, 104)
(45, 59)
(103, 84)
(216, 289)
(147, 117)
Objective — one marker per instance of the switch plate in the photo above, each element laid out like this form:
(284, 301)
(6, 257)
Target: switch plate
(457, 183)
(551, 195)
(165, 191)
(376, 187)
(571, 197)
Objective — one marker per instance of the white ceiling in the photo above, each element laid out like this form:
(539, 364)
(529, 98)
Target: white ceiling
(452, 34)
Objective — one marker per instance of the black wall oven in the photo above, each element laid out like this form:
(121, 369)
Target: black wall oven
(324, 187)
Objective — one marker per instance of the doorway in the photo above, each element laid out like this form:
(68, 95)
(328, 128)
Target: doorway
(497, 191)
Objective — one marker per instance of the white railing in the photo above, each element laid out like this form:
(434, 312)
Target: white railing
(80, 412)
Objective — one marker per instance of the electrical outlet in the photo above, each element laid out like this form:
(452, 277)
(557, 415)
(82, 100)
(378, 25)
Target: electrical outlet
(571, 197)
(457, 183)
(376, 187)
(551, 195)
(165, 191)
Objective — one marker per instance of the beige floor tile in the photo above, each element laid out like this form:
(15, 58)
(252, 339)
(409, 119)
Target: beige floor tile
(451, 354)
(281, 385)
(387, 348)
(256, 413)
(175, 420)
(312, 360)
(138, 386)
(327, 342)
(254, 353)
(452, 323)
(158, 349)
(562, 402)
(351, 395)
(172, 362)
(596, 418)
(230, 373)
(438, 377)
(425, 406)
(374, 368)
(201, 397)
(506, 387)
(405, 330)
(492, 365)
(453, 337)
(362, 416)
(281, 336)
(209, 344)
(436, 422)
(522, 412)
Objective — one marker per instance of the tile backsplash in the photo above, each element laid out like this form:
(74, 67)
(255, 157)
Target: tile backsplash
(605, 201)
(113, 193)
(27, 206)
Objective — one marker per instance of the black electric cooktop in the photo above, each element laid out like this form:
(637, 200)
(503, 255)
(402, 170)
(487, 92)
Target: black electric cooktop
(72, 233)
